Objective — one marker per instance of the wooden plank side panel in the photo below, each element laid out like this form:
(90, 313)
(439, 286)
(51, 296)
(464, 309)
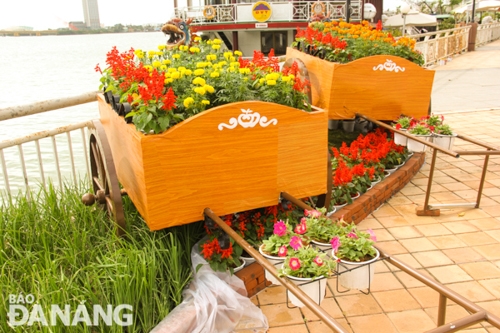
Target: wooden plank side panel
(356, 87)
(382, 87)
(320, 74)
(125, 144)
(303, 155)
(196, 165)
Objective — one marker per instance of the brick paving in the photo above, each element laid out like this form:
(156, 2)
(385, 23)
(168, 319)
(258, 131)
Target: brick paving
(460, 248)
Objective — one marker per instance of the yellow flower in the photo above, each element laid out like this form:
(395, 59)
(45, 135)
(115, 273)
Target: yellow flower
(215, 47)
(183, 47)
(176, 75)
(197, 39)
(272, 76)
(262, 80)
(171, 70)
(231, 58)
(148, 68)
(166, 61)
(238, 53)
(194, 49)
(163, 68)
(176, 56)
(139, 54)
(211, 57)
(285, 78)
(169, 80)
(205, 102)
(188, 101)
(200, 90)
(161, 47)
(188, 72)
(228, 54)
(271, 82)
(214, 74)
(199, 72)
(151, 54)
(209, 88)
(244, 70)
(156, 64)
(234, 64)
(199, 81)
(201, 64)
(217, 41)
(222, 63)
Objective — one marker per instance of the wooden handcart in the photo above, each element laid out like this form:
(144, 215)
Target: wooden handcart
(231, 158)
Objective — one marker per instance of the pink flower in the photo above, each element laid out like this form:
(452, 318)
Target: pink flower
(312, 213)
(372, 235)
(335, 242)
(280, 228)
(352, 235)
(294, 263)
(318, 261)
(295, 242)
(301, 228)
(282, 251)
(303, 220)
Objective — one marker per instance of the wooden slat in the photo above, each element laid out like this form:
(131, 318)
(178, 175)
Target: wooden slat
(172, 177)
(360, 87)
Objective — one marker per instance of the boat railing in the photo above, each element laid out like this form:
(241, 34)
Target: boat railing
(282, 11)
(56, 155)
(487, 33)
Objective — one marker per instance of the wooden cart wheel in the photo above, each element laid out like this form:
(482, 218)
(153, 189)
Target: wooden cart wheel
(104, 180)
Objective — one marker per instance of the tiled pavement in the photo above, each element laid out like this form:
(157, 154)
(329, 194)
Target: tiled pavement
(460, 248)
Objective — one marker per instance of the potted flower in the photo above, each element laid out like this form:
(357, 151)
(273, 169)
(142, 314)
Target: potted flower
(279, 244)
(343, 191)
(308, 267)
(396, 157)
(318, 228)
(354, 250)
(423, 132)
(444, 136)
(402, 124)
(221, 252)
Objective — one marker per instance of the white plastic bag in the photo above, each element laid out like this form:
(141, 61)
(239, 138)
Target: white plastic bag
(214, 302)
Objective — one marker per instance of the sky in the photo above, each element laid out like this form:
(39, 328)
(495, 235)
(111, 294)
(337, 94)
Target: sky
(53, 14)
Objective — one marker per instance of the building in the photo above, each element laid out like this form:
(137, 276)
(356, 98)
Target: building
(91, 14)
(77, 25)
(249, 25)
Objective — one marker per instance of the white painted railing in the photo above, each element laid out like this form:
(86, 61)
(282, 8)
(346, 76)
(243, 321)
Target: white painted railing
(57, 155)
(487, 33)
(440, 45)
(282, 11)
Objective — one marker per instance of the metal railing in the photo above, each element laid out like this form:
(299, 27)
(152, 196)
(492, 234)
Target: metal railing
(282, 11)
(48, 147)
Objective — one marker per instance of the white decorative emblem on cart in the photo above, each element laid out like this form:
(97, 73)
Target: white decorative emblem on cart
(247, 119)
(389, 66)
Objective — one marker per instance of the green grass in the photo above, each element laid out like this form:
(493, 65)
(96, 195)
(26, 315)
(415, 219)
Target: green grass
(62, 252)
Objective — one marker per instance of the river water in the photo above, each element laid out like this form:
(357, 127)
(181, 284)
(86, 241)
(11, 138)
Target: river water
(41, 68)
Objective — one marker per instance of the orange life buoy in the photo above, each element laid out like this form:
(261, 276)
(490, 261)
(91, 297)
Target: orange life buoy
(209, 12)
(318, 8)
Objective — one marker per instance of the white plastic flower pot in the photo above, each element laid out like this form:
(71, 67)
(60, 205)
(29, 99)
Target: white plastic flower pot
(314, 288)
(400, 139)
(276, 262)
(324, 247)
(415, 146)
(356, 275)
(348, 125)
(444, 141)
